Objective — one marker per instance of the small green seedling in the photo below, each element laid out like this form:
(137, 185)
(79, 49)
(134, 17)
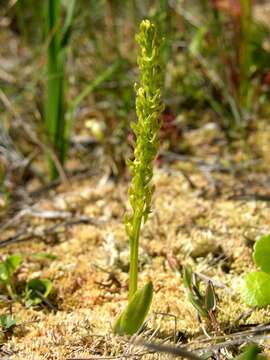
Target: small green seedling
(148, 108)
(256, 286)
(205, 304)
(7, 325)
(36, 291)
(7, 322)
(8, 268)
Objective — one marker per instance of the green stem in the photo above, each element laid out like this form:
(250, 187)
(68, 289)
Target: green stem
(244, 52)
(10, 290)
(134, 250)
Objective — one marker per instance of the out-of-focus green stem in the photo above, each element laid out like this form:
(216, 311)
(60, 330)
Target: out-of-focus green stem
(244, 51)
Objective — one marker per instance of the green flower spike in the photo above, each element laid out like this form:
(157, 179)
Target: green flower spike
(148, 108)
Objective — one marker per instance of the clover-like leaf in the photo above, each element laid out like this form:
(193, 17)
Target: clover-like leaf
(36, 289)
(261, 254)
(132, 318)
(256, 289)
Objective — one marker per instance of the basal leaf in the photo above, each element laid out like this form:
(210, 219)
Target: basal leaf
(256, 289)
(261, 254)
(13, 262)
(132, 318)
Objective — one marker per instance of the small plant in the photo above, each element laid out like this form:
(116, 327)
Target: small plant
(256, 286)
(36, 290)
(8, 268)
(148, 108)
(55, 108)
(7, 322)
(7, 325)
(205, 304)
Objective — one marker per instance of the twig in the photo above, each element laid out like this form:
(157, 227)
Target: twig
(252, 331)
(174, 350)
(122, 356)
(47, 214)
(24, 235)
(234, 342)
(46, 301)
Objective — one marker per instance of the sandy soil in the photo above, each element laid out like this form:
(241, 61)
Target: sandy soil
(213, 233)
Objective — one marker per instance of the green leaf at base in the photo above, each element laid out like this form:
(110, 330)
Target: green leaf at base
(132, 318)
(261, 254)
(256, 289)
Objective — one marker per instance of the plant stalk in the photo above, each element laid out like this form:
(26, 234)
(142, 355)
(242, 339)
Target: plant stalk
(134, 250)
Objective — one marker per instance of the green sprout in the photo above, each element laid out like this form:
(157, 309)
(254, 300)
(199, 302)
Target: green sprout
(148, 108)
(204, 303)
(36, 290)
(7, 325)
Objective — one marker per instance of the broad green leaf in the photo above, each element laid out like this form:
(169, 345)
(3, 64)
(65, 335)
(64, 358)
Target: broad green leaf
(132, 318)
(261, 254)
(13, 262)
(256, 289)
(252, 352)
(9, 266)
(36, 289)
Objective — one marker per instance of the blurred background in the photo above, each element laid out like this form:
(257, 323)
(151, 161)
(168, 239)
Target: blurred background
(67, 74)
